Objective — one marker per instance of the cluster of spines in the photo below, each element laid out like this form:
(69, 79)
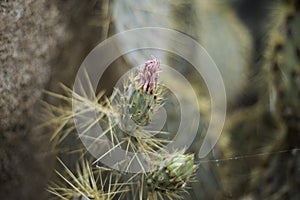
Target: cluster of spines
(171, 174)
(87, 183)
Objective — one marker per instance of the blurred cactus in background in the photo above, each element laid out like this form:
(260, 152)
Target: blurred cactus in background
(272, 124)
(279, 174)
(216, 27)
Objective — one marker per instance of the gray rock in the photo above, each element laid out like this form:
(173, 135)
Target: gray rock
(27, 37)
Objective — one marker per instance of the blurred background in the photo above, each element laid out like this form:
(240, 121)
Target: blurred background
(255, 45)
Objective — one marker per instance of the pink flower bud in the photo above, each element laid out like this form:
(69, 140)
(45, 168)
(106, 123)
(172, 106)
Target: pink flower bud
(148, 75)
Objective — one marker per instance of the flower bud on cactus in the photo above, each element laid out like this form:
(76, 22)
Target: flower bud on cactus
(148, 76)
(142, 94)
(173, 173)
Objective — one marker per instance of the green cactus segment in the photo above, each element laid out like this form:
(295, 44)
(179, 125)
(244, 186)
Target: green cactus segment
(141, 106)
(141, 95)
(172, 174)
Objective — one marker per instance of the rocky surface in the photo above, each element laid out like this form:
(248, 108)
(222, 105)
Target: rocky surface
(29, 33)
(27, 38)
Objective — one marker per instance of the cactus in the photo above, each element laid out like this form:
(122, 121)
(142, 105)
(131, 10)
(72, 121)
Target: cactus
(274, 120)
(136, 104)
(171, 174)
(139, 100)
(132, 109)
(142, 94)
(214, 24)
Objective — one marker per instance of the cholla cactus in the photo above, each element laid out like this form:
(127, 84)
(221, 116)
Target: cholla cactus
(124, 115)
(133, 108)
(171, 175)
(142, 96)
